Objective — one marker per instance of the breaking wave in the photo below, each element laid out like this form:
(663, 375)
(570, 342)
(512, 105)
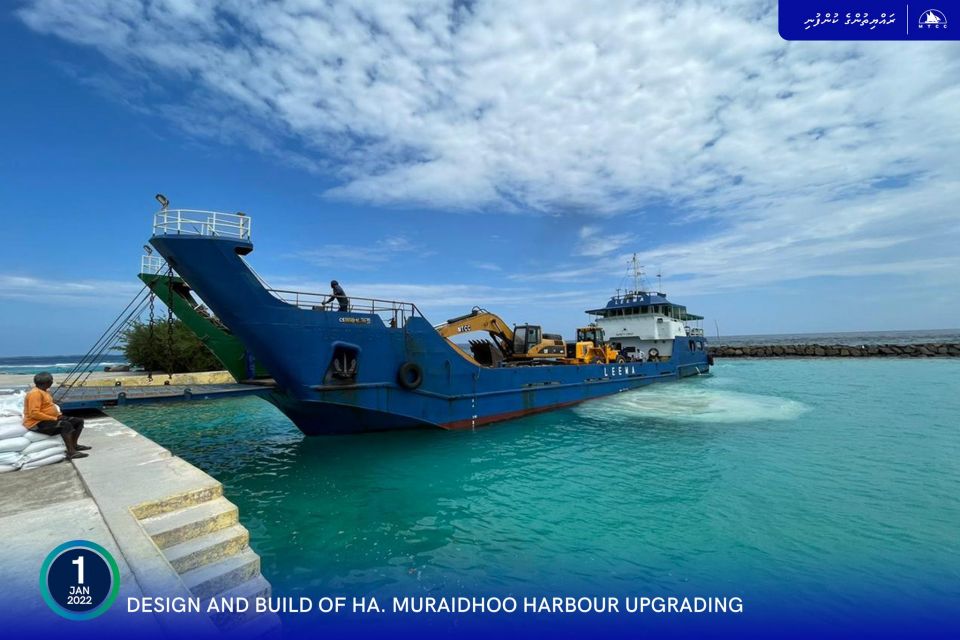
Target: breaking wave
(687, 403)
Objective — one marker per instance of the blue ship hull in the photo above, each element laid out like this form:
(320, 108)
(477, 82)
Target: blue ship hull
(297, 347)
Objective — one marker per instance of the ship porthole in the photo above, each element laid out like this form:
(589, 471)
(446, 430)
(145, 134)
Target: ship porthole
(410, 375)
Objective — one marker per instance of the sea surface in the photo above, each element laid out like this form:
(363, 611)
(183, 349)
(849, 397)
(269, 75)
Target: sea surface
(824, 491)
(53, 364)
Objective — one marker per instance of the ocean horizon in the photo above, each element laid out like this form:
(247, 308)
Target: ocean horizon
(58, 363)
(63, 363)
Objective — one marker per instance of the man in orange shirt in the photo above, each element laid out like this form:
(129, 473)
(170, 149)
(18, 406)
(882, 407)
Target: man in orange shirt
(40, 414)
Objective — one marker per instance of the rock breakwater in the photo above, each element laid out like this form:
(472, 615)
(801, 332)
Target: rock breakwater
(928, 350)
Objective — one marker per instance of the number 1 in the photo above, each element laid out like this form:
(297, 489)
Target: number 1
(79, 563)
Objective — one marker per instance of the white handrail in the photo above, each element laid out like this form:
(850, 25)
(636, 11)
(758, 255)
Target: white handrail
(152, 265)
(196, 222)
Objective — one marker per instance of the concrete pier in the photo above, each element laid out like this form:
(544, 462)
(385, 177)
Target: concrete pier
(166, 522)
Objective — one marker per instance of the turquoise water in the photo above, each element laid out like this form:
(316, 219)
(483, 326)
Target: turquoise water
(808, 487)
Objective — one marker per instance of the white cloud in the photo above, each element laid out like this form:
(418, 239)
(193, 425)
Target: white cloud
(802, 159)
(595, 242)
(367, 256)
(441, 301)
(79, 292)
(486, 266)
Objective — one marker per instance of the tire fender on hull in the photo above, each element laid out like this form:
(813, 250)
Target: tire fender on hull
(410, 375)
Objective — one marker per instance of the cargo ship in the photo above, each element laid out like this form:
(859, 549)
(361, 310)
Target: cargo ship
(379, 364)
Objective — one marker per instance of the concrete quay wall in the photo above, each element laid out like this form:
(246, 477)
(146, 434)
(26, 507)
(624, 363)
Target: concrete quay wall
(167, 523)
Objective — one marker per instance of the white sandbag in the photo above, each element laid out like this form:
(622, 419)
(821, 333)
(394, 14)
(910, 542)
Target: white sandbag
(43, 445)
(34, 436)
(12, 403)
(44, 462)
(4, 468)
(36, 456)
(10, 418)
(14, 444)
(12, 430)
(9, 457)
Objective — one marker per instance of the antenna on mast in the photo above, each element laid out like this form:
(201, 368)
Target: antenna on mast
(659, 283)
(637, 273)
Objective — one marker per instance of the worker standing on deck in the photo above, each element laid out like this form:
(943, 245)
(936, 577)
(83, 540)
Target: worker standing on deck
(41, 415)
(339, 294)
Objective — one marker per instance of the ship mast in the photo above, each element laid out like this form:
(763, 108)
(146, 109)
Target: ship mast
(637, 273)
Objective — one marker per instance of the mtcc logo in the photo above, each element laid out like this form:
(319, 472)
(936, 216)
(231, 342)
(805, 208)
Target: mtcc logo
(932, 19)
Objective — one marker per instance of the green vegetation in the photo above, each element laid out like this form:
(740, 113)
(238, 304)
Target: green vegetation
(180, 350)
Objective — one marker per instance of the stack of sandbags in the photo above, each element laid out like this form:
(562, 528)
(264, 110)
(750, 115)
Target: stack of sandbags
(21, 448)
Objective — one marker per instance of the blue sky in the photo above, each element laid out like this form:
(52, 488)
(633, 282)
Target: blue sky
(500, 154)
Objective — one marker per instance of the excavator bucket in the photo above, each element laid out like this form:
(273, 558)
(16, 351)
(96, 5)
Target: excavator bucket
(485, 352)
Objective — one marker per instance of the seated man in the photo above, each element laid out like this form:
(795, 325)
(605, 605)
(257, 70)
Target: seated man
(40, 414)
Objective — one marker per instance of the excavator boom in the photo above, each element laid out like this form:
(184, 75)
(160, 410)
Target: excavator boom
(526, 342)
(477, 320)
(481, 320)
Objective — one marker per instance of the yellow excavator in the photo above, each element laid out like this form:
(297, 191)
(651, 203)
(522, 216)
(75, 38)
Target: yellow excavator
(591, 347)
(524, 344)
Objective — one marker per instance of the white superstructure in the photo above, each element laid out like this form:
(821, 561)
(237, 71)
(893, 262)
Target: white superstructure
(640, 321)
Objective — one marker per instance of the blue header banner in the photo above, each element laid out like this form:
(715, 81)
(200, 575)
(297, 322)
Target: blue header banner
(869, 20)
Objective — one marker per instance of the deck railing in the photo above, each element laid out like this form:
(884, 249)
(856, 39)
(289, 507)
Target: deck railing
(393, 312)
(173, 222)
(153, 265)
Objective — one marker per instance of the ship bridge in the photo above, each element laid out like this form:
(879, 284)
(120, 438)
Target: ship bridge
(646, 321)
(636, 303)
